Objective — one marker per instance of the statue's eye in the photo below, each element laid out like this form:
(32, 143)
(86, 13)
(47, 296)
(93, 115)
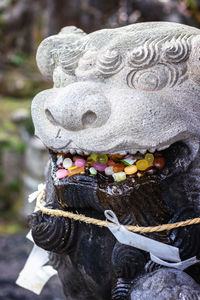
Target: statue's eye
(151, 79)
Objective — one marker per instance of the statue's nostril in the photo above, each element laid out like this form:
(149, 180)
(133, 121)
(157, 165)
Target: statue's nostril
(88, 119)
(50, 117)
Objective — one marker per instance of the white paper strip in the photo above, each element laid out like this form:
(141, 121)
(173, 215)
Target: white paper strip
(34, 274)
(34, 195)
(127, 237)
(158, 251)
(180, 265)
(29, 236)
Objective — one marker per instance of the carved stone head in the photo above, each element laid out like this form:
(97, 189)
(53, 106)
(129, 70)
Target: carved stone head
(116, 90)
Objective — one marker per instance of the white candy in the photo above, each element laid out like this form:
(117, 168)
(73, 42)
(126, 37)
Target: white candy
(120, 176)
(67, 163)
(59, 160)
(109, 171)
(129, 160)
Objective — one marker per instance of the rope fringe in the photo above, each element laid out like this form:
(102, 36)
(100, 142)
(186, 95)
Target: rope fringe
(82, 218)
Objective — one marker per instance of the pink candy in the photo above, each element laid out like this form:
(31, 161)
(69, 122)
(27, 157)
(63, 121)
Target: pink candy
(80, 162)
(99, 167)
(61, 173)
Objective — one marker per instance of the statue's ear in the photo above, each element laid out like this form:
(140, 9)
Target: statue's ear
(194, 60)
(48, 50)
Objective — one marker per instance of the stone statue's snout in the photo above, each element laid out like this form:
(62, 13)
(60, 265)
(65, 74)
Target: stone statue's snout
(78, 106)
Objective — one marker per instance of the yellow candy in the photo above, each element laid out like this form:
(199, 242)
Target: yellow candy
(72, 168)
(150, 158)
(142, 164)
(92, 158)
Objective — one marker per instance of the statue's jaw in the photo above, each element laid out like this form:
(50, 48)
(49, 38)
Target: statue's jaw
(86, 190)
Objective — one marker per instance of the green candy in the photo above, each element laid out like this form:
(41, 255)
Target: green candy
(102, 159)
(93, 171)
(92, 158)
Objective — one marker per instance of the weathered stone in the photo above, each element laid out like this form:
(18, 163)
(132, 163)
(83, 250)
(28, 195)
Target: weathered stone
(165, 284)
(152, 66)
(123, 90)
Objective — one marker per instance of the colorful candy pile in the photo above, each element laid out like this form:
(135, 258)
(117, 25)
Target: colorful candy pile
(115, 165)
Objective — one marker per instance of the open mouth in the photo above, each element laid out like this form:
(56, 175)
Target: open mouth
(87, 180)
(107, 167)
(117, 167)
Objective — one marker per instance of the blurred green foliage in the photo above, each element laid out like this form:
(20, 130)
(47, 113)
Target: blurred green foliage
(192, 4)
(17, 59)
(193, 7)
(28, 125)
(10, 140)
(9, 132)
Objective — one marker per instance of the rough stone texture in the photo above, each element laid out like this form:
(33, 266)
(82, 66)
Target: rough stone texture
(165, 284)
(130, 89)
(153, 67)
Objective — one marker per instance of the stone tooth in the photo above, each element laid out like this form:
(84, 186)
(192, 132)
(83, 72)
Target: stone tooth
(79, 152)
(72, 151)
(163, 147)
(123, 152)
(133, 151)
(143, 151)
(152, 150)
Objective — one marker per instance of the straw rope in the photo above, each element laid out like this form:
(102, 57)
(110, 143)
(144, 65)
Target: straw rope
(101, 223)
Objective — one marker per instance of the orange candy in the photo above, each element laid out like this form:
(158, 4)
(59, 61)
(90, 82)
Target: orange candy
(64, 155)
(75, 171)
(129, 170)
(111, 163)
(118, 168)
(115, 156)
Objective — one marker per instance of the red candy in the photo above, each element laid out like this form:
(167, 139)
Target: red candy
(159, 162)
